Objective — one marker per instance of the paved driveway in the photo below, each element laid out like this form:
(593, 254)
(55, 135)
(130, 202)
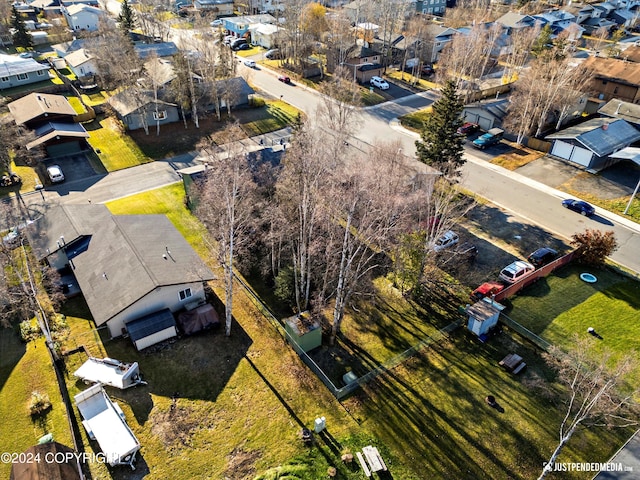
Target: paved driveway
(75, 167)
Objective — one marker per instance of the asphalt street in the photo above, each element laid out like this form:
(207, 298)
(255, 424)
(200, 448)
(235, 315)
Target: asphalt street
(523, 197)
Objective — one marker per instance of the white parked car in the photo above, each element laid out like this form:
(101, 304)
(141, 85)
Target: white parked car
(379, 82)
(516, 271)
(216, 23)
(250, 63)
(447, 240)
(55, 173)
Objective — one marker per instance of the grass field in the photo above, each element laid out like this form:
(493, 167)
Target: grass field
(117, 151)
(25, 368)
(560, 305)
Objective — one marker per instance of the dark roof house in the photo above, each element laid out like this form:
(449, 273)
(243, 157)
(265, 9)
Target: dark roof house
(591, 143)
(36, 108)
(127, 266)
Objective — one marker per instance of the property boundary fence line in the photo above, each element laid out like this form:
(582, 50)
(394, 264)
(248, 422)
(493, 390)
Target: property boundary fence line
(528, 334)
(341, 392)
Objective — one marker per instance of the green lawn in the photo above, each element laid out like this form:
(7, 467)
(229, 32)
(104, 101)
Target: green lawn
(275, 115)
(560, 305)
(415, 121)
(117, 151)
(25, 368)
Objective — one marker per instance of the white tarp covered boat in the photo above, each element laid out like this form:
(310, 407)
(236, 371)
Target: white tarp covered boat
(110, 372)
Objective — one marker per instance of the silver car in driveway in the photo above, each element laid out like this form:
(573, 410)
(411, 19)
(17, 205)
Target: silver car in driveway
(54, 172)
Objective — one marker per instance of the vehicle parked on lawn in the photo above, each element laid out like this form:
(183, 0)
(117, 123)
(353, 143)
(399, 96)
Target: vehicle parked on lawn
(55, 173)
(582, 207)
(250, 63)
(485, 140)
(448, 239)
(542, 256)
(216, 23)
(10, 180)
(516, 271)
(468, 128)
(379, 82)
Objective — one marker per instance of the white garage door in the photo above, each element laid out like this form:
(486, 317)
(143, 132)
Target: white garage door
(562, 149)
(486, 124)
(581, 156)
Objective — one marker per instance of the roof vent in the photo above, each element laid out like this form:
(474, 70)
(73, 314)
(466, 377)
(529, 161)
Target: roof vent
(605, 126)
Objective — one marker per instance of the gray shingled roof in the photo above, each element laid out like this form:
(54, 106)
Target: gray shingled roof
(164, 49)
(117, 259)
(14, 65)
(602, 136)
(50, 130)
(630, 112)
(36, 104)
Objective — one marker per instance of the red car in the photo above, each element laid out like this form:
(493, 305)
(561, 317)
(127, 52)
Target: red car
(486, 290)
(468, 128)
(284, 79)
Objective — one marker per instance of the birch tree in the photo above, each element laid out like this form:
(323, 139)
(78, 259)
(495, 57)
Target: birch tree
(227, 204)
(364, 206)
(601, 391)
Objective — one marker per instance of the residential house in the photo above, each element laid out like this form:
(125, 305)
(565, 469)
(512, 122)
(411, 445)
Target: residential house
(591, 143)
(269, 6)
(162, 49)
(629, 112)
(614, 78)
(487, 114)
(364, 62)
(431, 7)
(137, 110)
(440, 37)
(623, 17)
(240, 26)
(631, 54)
(127, 266)
(219, 7)
(82, 63)
(560, 21)
(37, 108)
(597, 23)
(233, 92)
(513, 21)
(52, 119)
(83, 17)
(16, 71)
(65, 48)
(356, 11)
(265, 35)
(581, 11)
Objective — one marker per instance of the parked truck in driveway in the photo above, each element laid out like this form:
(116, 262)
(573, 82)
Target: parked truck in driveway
(485, 140)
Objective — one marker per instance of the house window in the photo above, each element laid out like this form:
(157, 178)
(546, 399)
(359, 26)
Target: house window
(5, 79)
(184, 294)
(160, 115)
(40, 73)
(22, 76)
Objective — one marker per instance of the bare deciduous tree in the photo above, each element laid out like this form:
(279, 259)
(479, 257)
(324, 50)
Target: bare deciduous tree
(227, 204)
(601, 391)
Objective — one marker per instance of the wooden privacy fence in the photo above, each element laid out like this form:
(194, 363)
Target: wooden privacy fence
(536, 275)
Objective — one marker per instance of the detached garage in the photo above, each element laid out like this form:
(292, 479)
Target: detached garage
(592, 143)
(151, 329)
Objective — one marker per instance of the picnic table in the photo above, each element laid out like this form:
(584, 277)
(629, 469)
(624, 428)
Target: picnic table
(512, 363)
(374, 459)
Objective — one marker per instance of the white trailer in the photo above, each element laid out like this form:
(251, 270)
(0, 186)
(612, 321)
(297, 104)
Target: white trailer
(104, 422)
(110, 372)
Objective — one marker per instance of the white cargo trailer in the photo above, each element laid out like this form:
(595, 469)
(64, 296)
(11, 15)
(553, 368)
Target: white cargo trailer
(104, 422)
(109, 371)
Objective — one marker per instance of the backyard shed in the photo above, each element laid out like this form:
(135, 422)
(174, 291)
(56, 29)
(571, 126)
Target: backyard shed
(304, 330)
(152, 329)
(483, 316)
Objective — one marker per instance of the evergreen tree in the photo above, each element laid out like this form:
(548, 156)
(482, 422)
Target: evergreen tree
(543, 42)
(441, 146)
(21, 37)
(126, 18)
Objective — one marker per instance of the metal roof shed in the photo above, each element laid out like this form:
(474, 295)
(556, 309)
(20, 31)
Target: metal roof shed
(153, 328)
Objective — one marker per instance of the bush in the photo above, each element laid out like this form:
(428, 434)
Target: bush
(29, 330)
(256, 102)
(594, 246)
(39, 403)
